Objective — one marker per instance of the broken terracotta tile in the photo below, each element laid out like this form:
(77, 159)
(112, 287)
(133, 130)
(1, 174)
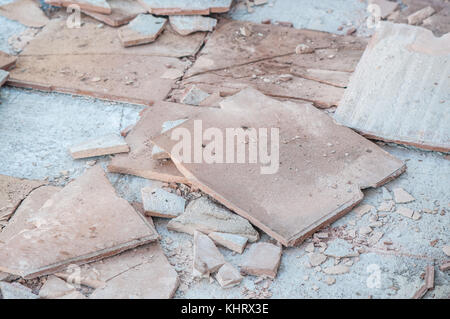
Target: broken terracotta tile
(231, 241)
(181, 7)
(205, 216)
(228, 276)
(351, 163)
(230, 62)
(194, 96)
(4, 75)
(16, 291)
(143, 29)
(54, 288)
(26, 12)
(418, 16)
(7, 61)
(160, 203)
(100, 6)
(445, 265)
(12, 192)
(139, 160)
(336, 270)
(104, 145)
(122, 12)
(172, 74)
(401, 196)
(386, 7)
(185, 25)
(262, 259)
(207, 258)
(412, 112)
(91, 61)
(142, 273)
(83, 222)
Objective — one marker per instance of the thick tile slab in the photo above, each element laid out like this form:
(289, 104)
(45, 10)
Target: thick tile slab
(143, 29)
(100, 6)
(91, 61)
(266, 60)
(139, 160)
(408, 67)
(26, 12)
(205, 216)
(320, 169)
(142, 273)
(181, 7)
(83, 222)
(104, 145)
(122, 12)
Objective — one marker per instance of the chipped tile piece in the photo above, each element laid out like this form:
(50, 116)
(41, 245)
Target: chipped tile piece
(336, 270)
(204, 215)
(446, 250)
(158, 153)
(310, 248)
(417, 115)
(100, 6)
(418, 16)
(27, 12)
(7, 61)
(386, 206)
(330, 280)
(207, 258)
(182, 7)
(317, 259)
(142, 273)
(231, 241)
(160, 203)
(228, 276)
(365, 230)
(340, 248)
(194, 96)
(361, 210)
(145, 28)
(104, 145)
(54, 288)
(4, 75)
(374, 238)
(262, 259)
(73, 295)
(258, 182)
(83, 222)
(401, 196)
(185, 25)
(16, 291)
(122, 12)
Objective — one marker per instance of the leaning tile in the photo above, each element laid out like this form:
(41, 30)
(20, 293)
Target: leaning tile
(228, 276)
(231, 241)
(83, 222)
(104, 145)
(262, 259)
(160, 203)
(158, 153)
(204, 215)
(207, 258)
(143, 29)
(185, 25)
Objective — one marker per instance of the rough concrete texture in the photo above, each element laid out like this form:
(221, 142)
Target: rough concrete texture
(160, 203)
(157, 152)
(185, 25)
(55, 287)
(178, 7)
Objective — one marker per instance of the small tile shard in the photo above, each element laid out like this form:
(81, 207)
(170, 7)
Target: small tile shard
(160, 203)
(207, 258)
(16, 291)
(228, 276)
(361, 210)
(340, 248)
(54, 288)
(317, 259)
(418, 16)
(83, 222)
(194, 96)
(185, 25)
(105, 145)
(233, 242)
(143, 29)
(158, 153)
(401, 196)
(336, 270)
(407, 212)
(385, 7)
(204, 215)
(26, 12)
(387, 206)
(100, 6)
(330, 280)
(7, 61)
(262, 259)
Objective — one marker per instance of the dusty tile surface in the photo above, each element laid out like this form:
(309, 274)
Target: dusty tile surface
(26, 12)
(104, 145)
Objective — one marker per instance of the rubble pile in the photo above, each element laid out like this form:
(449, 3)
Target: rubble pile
(321, 95)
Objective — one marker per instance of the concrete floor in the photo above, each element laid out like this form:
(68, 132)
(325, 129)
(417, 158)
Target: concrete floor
(36, 128)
